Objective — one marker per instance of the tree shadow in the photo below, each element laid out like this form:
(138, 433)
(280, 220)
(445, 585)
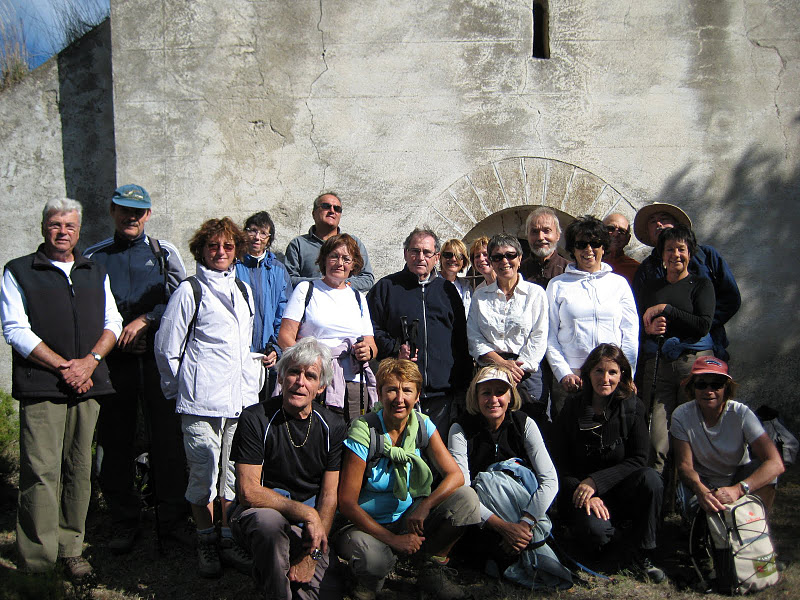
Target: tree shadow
(86, 107)
(752, 221)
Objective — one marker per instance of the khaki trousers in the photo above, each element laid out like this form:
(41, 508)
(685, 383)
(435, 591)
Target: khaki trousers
(55, 466)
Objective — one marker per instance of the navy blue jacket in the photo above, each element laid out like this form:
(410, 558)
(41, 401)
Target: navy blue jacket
(706, 262)
(443, 358)
(271, 286)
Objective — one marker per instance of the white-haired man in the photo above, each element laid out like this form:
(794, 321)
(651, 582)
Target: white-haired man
(288, 452)
(544, 262)
(60, 319)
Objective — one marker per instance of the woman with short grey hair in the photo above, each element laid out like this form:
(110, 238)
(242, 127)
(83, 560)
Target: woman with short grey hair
(507, 324)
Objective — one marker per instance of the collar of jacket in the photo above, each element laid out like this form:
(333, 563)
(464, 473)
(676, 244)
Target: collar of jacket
(124, 242)
(251, 262)
(410, 279)
(40, 259)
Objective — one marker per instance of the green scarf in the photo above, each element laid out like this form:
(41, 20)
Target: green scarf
(421, 476)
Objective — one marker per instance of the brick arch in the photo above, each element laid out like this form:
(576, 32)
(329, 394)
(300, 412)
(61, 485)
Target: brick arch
(498, 197)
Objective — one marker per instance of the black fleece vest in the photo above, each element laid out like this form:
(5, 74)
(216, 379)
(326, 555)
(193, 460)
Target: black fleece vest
(68, 318)
(483, 450)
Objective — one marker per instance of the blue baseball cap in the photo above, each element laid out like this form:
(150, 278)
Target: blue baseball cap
(132, 196)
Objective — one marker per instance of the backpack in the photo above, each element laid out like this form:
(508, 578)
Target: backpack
(375, 450)
(786, 443)
(740, 547)
(197, 291)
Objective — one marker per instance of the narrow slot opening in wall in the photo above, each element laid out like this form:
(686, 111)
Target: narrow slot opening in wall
(541, 29)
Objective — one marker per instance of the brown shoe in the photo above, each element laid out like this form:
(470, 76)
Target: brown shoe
(77, 568)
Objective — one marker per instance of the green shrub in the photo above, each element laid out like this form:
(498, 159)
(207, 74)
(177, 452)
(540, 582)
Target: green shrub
(9, 432)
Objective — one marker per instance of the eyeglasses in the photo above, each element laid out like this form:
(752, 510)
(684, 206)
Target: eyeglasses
(612, 229)
(256, 233)
(326, 206)
(509, 256)
(581, 244)
(714, 384)
(227, 247)
(418, 251)
(335, 258)
(449, 255)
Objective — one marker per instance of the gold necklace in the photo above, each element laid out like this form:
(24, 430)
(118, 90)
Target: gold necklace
(286, 422)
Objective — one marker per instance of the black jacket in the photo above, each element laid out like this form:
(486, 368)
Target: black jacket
(443, 359)
(68, 318)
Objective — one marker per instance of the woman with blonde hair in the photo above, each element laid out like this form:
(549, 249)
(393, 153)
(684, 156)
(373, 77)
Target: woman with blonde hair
(453, 261)
(479, 256)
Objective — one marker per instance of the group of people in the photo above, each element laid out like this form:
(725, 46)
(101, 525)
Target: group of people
(332, 415)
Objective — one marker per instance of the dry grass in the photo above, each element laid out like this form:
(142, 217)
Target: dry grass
(13, 50)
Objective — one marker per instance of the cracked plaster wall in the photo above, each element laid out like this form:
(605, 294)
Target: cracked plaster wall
(228, 108)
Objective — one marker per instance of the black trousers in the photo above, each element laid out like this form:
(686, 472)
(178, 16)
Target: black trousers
(117, 429)
(638, 497)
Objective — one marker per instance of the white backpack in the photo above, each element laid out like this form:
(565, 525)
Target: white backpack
(743, 554)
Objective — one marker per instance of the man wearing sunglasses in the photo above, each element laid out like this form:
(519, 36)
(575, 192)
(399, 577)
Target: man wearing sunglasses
(143, 272)
(419, 293)
(303, 251)
(620, 232)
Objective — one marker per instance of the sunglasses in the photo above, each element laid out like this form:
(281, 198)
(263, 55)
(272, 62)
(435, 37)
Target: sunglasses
(509, 256)
(581, 244)
(714, 384)
(449, 255)
(327, 206)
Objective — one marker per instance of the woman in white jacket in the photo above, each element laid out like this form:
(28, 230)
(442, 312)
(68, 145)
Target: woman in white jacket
(202, 350)
(589, 306)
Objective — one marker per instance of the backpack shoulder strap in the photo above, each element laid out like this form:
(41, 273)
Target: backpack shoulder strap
(197, 291)
(422, 433)
(308, 299)
(375, 440)
(358, 299)
(161, 259)
(243, 288)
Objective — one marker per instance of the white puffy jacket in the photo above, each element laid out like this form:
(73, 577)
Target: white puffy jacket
(588, 309)
(217, 377)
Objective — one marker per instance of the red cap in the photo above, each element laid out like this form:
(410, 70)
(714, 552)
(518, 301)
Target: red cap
(709, 365)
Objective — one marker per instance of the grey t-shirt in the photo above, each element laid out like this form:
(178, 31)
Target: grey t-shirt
(719, 450)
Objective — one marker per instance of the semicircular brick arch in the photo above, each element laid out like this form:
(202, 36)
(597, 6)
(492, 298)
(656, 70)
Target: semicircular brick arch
(498, 197)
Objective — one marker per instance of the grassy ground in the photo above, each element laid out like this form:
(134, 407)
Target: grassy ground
(148, 574)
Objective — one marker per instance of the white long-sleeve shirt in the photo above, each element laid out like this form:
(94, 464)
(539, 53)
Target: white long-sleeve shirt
(588, 309)
(14, 313)
(517, 325)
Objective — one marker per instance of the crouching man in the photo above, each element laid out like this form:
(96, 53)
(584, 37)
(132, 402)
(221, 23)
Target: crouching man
(288, 452)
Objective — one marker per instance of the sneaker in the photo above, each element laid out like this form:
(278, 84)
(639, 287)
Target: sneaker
(123, 540)
(208, 556)
(644, 566)
(77, 568)
(436, 579)
(233, 555)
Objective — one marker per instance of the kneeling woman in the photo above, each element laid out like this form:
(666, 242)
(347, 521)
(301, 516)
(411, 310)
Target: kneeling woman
(712, 433)
(600, 447)
(494, 430)
(388, 498)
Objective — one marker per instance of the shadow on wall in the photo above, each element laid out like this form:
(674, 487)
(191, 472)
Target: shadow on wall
(86, 107)
(753, 221)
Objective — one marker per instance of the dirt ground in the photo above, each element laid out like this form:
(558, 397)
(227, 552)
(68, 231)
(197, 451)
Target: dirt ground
(147, 573)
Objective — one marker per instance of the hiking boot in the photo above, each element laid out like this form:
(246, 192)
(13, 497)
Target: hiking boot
(436, 579)
(77, 568)
(123, 540)
(644, 566)
(181, 534)
(208, 556)
(233, 555)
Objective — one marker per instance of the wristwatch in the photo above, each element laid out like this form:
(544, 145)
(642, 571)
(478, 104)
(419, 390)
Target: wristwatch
(531, 522)
(745, 487)
(96, 356)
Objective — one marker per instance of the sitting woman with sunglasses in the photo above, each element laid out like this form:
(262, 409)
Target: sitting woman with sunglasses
(711, 435)
(589, 305)
(600, 446)
(507, 324)
(454, 260)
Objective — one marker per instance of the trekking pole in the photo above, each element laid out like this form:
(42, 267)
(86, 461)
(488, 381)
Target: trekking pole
(651, 404)
(361, 381)
(148, 427)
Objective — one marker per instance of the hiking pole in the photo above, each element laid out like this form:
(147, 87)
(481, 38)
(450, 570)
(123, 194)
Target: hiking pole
(148, 427)
(651, 404)
(361, 380)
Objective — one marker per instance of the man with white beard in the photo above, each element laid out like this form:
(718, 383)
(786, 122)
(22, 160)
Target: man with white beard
(544, 263)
